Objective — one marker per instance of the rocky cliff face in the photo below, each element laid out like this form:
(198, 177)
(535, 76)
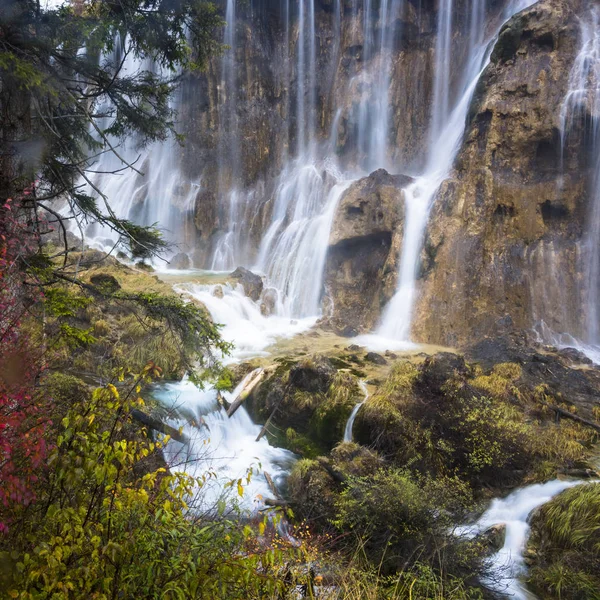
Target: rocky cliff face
(505, 231)
(503, 246)
(242, 140)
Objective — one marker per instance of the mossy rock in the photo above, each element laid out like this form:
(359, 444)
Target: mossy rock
(352, 459)
(509, 40)
(65, 390)
(564, 546)
(447, 416)
(105, 282)
(309, 398)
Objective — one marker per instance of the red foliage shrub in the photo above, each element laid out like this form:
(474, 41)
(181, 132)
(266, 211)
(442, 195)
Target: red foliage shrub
(22, 423)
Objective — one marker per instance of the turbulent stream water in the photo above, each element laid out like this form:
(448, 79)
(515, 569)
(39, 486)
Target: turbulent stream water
(292, 250)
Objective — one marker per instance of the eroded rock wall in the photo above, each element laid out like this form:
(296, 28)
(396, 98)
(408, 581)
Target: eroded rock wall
(504, 234)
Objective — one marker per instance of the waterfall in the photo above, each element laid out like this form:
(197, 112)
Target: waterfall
(297, 204)
(508, 564)
(441, 71)
(293, 250)
(223, 446)
(373, 146)
(446, 132)
(581, 106)
(155, 191)
(352, 417)
(227, 248)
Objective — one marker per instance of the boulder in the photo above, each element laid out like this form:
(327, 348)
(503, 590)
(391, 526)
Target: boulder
(269, 301)
(107, 283)
(575, 356)
(144, 266)
(438, 369)
(546, 368)
(493, 538)
(252, 283)
(375, 358)
(364, 244)
(313, 375)
(180, 261)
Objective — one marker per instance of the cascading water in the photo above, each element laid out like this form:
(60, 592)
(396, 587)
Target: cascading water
(293, 248)
(293, 251)
(352, 418)
(581, 108)
(226, 250)
(221, 445)
(508, 565)
(374, 107)
(156, 191)
(446, 131)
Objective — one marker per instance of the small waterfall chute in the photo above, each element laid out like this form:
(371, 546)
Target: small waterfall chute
(508, 564)
(352, 417)
(581, 107)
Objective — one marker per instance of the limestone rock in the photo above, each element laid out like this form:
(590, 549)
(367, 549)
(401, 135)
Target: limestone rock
(504, 231)
(180, 261)
(364, 243)
(493, 537)
(268, 301)
(252, 283)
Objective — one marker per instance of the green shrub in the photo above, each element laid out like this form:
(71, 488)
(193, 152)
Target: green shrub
(400, 520)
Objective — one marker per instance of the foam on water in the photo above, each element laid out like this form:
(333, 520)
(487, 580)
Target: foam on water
(242, 321)
(223, 446)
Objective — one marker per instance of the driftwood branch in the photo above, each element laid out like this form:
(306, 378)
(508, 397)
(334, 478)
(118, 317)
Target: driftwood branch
(276, 502)
(254, 379)
(272, 486)
(157, 425)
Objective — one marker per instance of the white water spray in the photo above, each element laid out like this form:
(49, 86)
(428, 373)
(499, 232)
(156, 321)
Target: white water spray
(224, 446)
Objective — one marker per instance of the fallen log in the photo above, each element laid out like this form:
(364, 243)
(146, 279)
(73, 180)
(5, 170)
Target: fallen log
(272, 486)
(570, 415)
(254, 380)
(157, 425)
(266, 425)
(276, 502)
